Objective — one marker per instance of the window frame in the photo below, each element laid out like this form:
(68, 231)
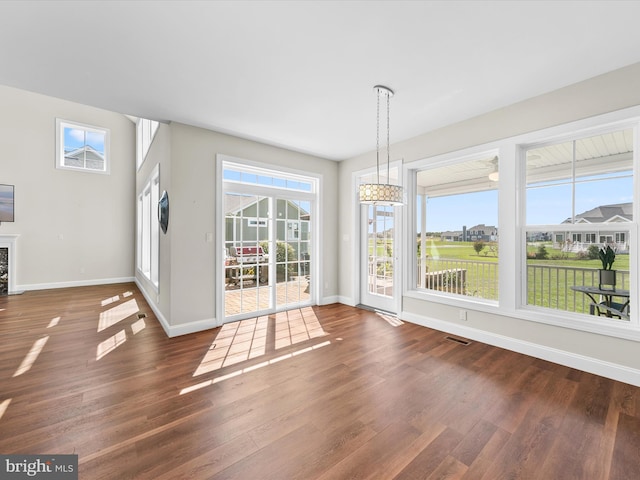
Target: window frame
(148, 230)
(61, 124)
(453, 158)
(145, 134)
(605, 231)
(513, 232)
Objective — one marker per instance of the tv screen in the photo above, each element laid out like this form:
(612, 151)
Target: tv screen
(6, 203)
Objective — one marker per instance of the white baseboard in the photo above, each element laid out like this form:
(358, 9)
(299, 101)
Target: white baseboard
(346, 301)
(610, 370)
(175, 330)
(329, 300)
(75, 283)
(191, 327)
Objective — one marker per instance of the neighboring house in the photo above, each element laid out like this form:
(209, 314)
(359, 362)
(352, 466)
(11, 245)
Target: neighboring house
(84, 157)
(580, 241)
(247, 222)
(485, 233)
(538, 237)
(453, 236)
(479, 232)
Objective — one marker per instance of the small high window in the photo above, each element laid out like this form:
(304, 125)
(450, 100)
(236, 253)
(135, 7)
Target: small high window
(82, 147)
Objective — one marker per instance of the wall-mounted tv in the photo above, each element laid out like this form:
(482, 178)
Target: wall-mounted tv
(7, 203)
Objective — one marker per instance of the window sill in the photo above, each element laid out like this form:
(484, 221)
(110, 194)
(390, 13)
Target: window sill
(628, 330)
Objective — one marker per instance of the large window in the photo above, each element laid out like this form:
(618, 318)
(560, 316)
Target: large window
(579, 199)
(567, 194)
(82, 147)
(456, 243)
(149, 229)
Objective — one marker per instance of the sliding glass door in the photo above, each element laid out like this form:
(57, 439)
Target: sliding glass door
(268, 223)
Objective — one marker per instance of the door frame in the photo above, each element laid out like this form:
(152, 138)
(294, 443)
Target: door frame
(359, 281)
(315, 271)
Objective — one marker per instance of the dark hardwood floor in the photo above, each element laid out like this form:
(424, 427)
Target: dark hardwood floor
(330, 392)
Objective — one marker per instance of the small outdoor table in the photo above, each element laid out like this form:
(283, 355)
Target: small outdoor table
(612, 309)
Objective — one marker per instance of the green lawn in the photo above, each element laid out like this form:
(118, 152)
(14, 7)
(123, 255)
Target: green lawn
(548, 287)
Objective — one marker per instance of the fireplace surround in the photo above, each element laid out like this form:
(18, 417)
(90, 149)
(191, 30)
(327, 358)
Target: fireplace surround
(8, 263)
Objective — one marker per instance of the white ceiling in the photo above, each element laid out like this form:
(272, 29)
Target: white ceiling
(300, 74)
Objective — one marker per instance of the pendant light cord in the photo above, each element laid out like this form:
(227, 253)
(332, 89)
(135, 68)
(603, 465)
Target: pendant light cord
(388, 144)
(378, 139)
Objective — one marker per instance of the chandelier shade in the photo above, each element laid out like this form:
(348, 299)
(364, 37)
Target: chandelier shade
(381, 193)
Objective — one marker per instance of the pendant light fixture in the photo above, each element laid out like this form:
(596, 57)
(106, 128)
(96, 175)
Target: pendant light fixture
(381, 193)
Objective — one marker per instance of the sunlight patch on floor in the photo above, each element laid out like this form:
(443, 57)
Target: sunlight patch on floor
(252, 368)
(3, 407)
(392, 320)
(235, 343)
(138, 326)
(53, 322)
(247, 339)
(116, 314)
(31, 357)
(110, 344)
(108, 301)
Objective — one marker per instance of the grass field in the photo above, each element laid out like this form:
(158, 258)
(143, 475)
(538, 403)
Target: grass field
(439, 249)
(548, 287)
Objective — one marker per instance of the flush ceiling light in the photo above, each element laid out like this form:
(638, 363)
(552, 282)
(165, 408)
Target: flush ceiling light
(381, 193)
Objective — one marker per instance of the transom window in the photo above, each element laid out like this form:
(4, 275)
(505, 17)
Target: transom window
(257, 176)
(82, 147)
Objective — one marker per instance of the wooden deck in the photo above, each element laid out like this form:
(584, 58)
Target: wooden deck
(329, 392)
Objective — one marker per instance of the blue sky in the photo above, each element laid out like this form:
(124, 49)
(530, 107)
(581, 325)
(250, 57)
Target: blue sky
(548, 205)
(75, 138)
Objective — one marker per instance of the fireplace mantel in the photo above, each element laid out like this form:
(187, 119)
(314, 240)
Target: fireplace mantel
(8, 240)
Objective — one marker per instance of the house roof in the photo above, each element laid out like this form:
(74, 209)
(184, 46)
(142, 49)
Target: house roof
(234, 204)
(482, 228)
(619, 212)
(87, 151)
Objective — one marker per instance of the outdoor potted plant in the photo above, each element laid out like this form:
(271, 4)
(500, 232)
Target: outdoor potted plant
(607, 256)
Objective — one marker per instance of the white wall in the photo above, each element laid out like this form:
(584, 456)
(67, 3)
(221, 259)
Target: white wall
(605, 355)
(75, 228)
(189, 279)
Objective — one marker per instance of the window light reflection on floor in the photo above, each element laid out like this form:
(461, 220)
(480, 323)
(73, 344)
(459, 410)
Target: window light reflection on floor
(252, 368)
(31, 357)
(53, 322)
(247, 339)
(138, 326)
(392, 320)
(3, 406)
(108, 301)
(110, 344)
(117, 313)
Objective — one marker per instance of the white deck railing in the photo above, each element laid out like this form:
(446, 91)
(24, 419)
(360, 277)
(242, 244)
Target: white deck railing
(547, 285)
